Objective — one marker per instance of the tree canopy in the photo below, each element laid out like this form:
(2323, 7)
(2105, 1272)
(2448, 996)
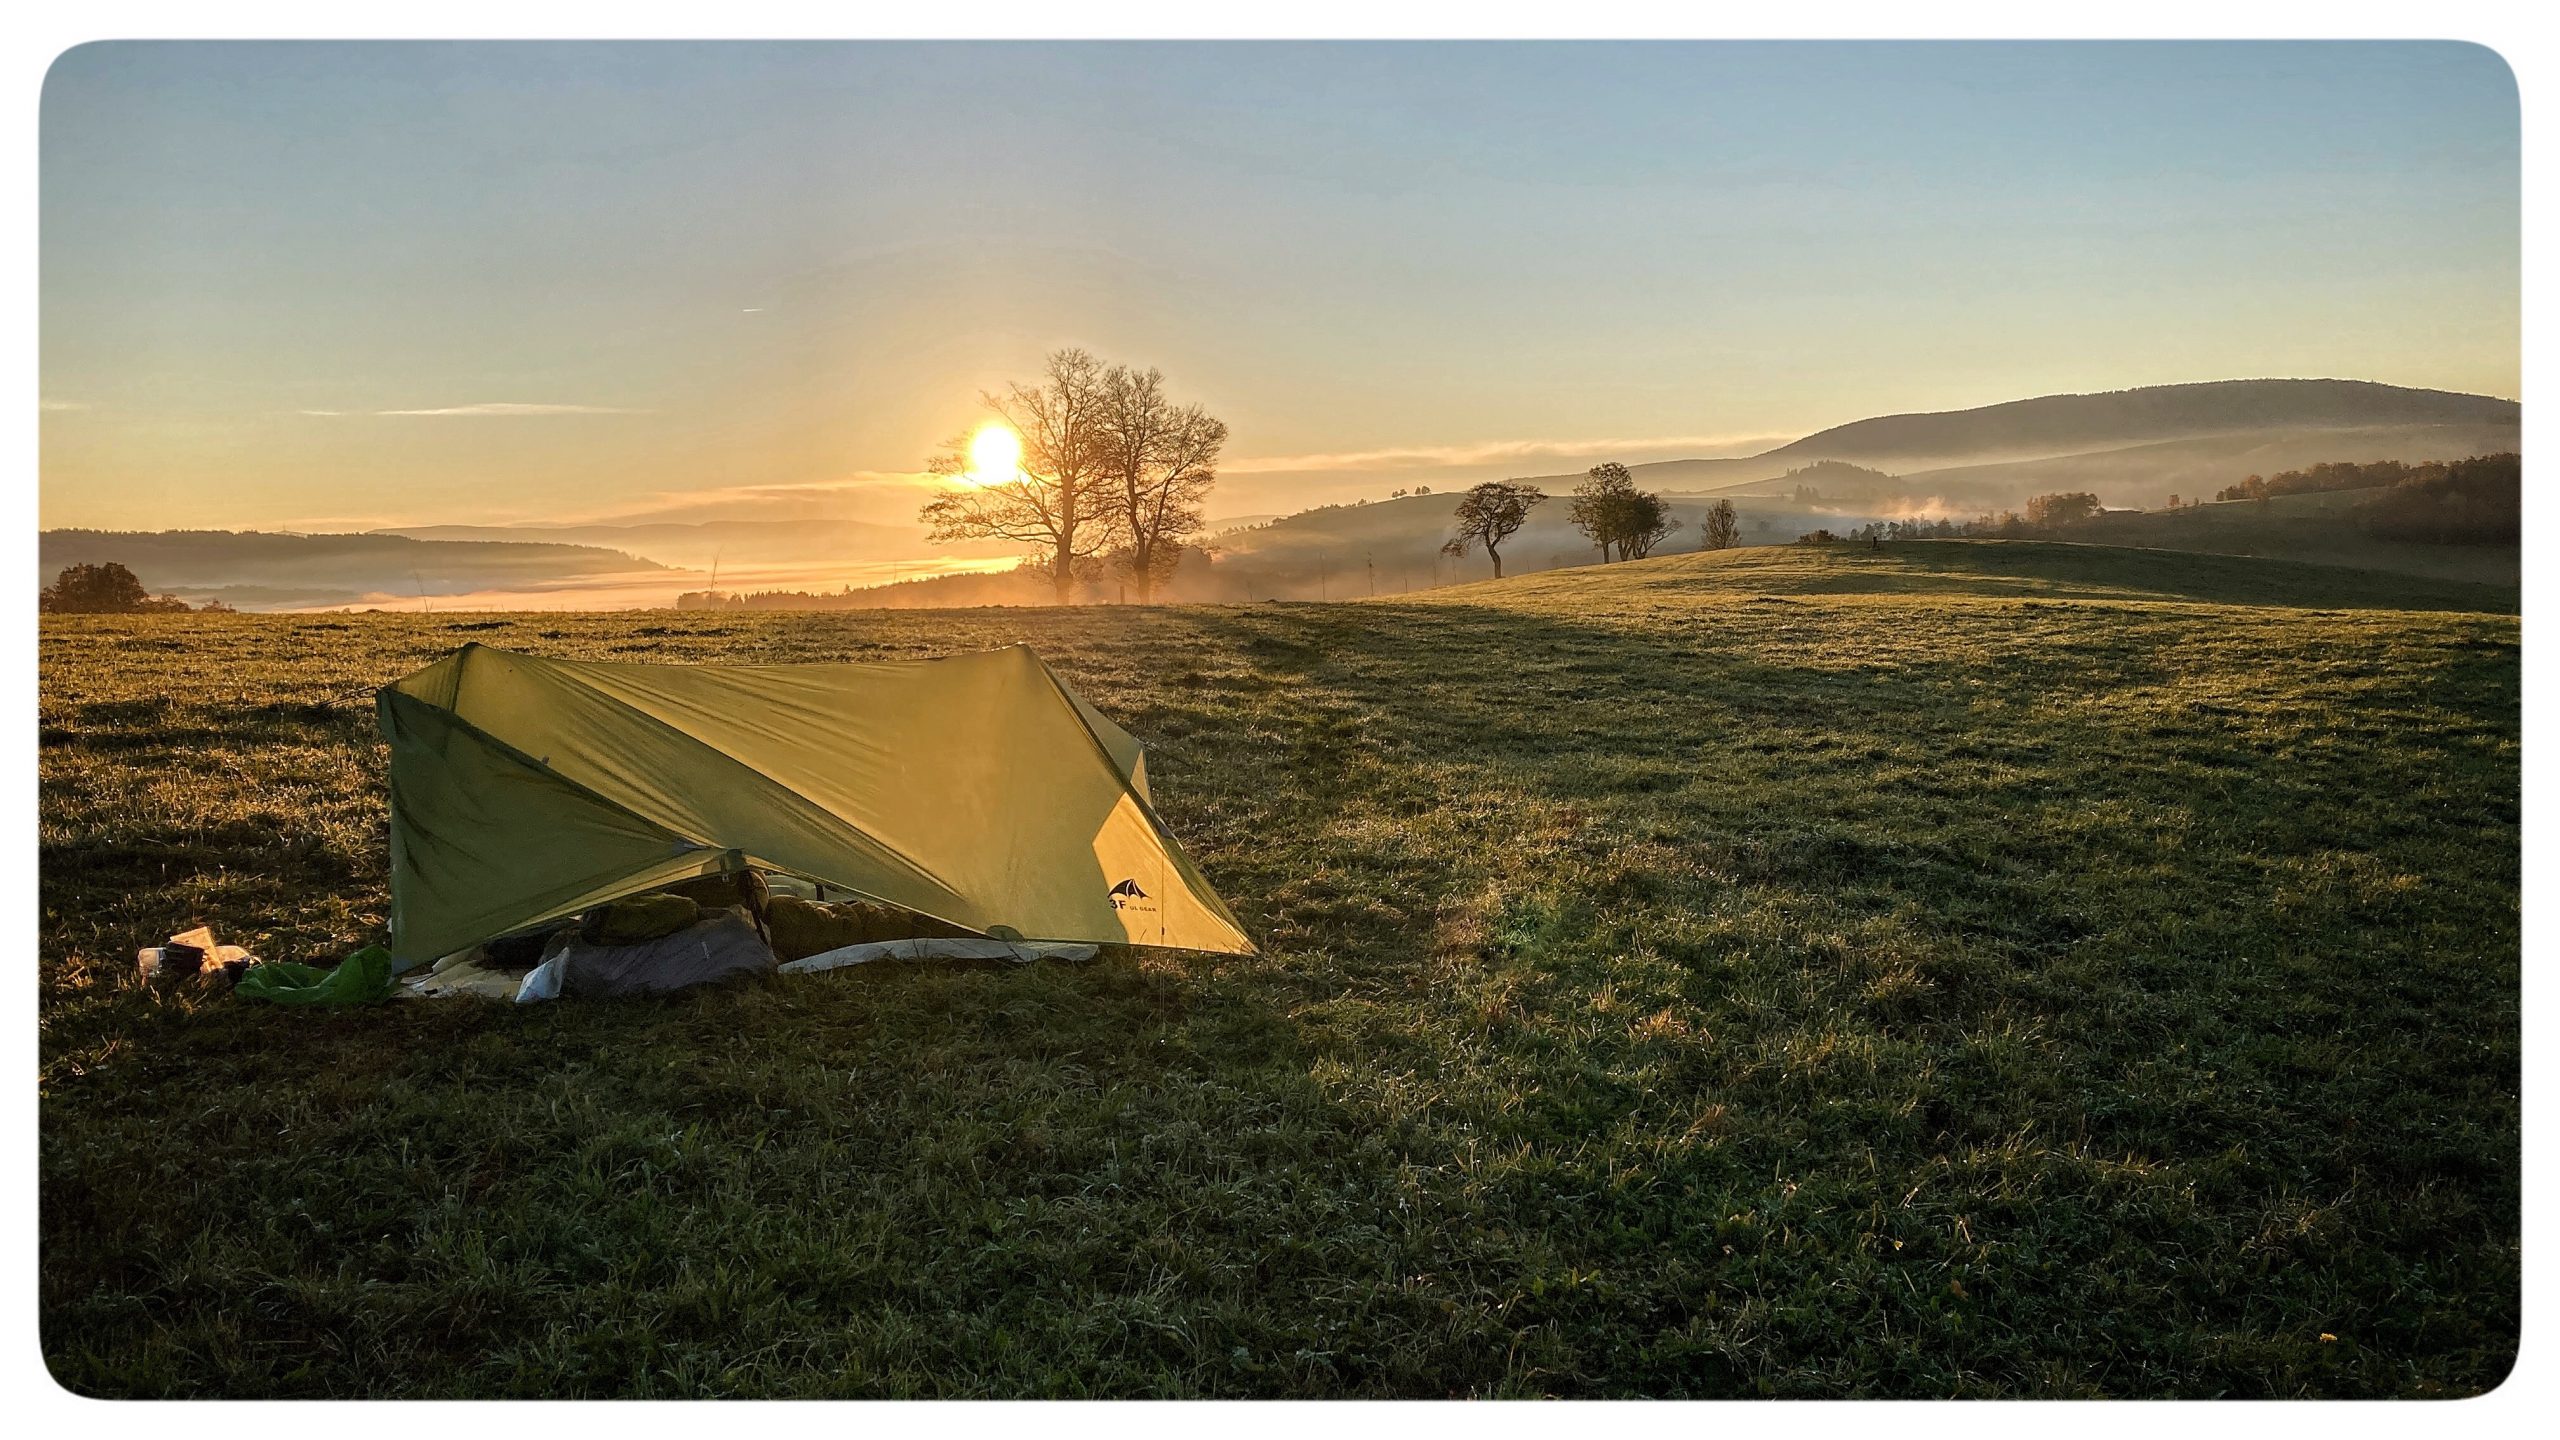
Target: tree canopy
(1626, 523)
(1490, 514)
(108, 589)
(2067, 508)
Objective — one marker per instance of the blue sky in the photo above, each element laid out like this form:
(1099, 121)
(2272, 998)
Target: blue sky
(355, 284)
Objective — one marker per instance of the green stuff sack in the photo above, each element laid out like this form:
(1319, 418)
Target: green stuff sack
(361, 979)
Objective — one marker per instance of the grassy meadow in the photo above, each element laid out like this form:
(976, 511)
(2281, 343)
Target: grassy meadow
(2320, 528)
(1964, 968)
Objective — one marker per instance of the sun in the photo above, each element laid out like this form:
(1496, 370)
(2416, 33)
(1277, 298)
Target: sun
(995, 455)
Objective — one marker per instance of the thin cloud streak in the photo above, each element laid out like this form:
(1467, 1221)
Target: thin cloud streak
(809, 493)
(807, 500)
(1490, 452)
(495, 407)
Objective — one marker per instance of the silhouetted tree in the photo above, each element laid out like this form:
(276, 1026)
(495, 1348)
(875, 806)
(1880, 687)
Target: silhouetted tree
(1626, 523)
(1490, 514)
(2475, 501)
(1057, 504)
(1158, 461)
(2328, 475)
(1646, 521)
(2061, 509)
(1723, 528)
(106, 589)
(1598, 506)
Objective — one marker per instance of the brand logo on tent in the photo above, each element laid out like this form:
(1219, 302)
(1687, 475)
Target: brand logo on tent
(1125, 893)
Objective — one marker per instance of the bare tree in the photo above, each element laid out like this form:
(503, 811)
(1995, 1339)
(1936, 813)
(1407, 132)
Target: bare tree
(1490, 514)
(1055, 504)
(1158, 461)
(1723, 528)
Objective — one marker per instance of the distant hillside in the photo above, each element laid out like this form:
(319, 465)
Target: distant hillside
(1956, 456)
(2317, 528)
(263, 570)
(2067, 424)
(700, 545)
(1833, 479)
(1335, 552)
(2142, 476)
(1921, 570)
(2147, 475)
(1403, 536)
(1392, 546)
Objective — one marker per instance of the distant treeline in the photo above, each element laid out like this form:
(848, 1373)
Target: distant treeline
(1203, 577)
(2473, 501)
(1837, 480)
(2477, 501)
(2333, 475)
(2046, 515)
(109, 589)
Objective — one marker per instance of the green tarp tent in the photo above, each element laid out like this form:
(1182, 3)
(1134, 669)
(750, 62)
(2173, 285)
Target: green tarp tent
(977, 789)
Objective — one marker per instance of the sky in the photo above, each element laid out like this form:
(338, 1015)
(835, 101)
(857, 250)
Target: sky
(337, 286)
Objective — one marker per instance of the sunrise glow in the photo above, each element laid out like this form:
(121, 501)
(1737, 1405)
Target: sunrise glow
(995, 456)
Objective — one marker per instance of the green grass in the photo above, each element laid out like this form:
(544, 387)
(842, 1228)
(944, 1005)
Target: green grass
(2317, 528)
(1966, 969)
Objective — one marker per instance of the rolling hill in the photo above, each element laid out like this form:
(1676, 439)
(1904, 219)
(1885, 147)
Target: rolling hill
(1403, 537)
(2217, 434)
(2134, 447)
(699, 545)
(2144, 476)
(260, 570)
(1386, 547)
(2318, 528)
(2070, 424)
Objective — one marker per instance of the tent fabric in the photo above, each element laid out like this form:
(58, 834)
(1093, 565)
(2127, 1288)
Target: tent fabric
(977, 789)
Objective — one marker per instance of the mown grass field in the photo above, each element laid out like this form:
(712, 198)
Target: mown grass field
(2320, 528)
(1964, 969)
